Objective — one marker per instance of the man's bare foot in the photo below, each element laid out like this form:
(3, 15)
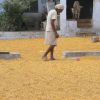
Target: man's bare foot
(52, 59)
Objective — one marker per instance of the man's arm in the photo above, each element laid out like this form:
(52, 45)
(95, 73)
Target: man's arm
(54, 28)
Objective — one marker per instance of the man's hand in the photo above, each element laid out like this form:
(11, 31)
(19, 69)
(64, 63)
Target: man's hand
(57, 35)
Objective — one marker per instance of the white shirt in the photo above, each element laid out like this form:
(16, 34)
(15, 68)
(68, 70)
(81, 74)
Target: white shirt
(51, 15)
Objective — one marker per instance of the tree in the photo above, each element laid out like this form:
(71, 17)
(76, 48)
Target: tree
(11, 18)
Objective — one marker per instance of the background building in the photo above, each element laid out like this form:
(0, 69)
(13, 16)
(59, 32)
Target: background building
(89, 21)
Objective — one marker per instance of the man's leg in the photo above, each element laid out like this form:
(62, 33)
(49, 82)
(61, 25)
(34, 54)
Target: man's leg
(48, 50)
(52, 54)
(78, 15)
(75, 16)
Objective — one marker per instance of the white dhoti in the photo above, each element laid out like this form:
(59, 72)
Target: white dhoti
(50, 38)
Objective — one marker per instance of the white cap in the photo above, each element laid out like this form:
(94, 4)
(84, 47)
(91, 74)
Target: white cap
(59, 6)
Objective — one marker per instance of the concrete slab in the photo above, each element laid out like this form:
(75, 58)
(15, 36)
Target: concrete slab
(9, 55)
(80, 53)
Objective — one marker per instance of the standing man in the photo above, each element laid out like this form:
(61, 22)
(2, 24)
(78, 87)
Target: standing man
(51, 31)
(76, 9)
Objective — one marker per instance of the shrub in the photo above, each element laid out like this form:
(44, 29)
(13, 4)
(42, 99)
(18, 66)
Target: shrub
(11, 18)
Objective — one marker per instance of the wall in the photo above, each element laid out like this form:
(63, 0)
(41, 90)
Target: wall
(69, 28)
(96, 15)
(41, 6)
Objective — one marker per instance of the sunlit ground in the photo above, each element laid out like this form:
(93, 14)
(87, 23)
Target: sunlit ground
(30, 78)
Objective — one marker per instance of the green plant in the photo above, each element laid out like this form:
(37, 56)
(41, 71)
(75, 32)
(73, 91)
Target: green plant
(11, 18)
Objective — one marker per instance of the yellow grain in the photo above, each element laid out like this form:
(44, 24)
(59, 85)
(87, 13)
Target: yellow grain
(30, 78)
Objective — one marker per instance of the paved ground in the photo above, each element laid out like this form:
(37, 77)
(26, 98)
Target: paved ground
(30, 78)
(21, 35)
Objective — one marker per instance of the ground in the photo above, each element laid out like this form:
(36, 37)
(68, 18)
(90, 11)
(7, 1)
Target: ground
(30, 78)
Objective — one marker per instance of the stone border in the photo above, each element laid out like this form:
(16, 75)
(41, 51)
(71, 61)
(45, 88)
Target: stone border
(80, 53)
(84, 34)
(9, 55)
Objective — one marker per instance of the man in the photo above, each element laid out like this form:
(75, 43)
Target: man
(51, 31)
(76, 9)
